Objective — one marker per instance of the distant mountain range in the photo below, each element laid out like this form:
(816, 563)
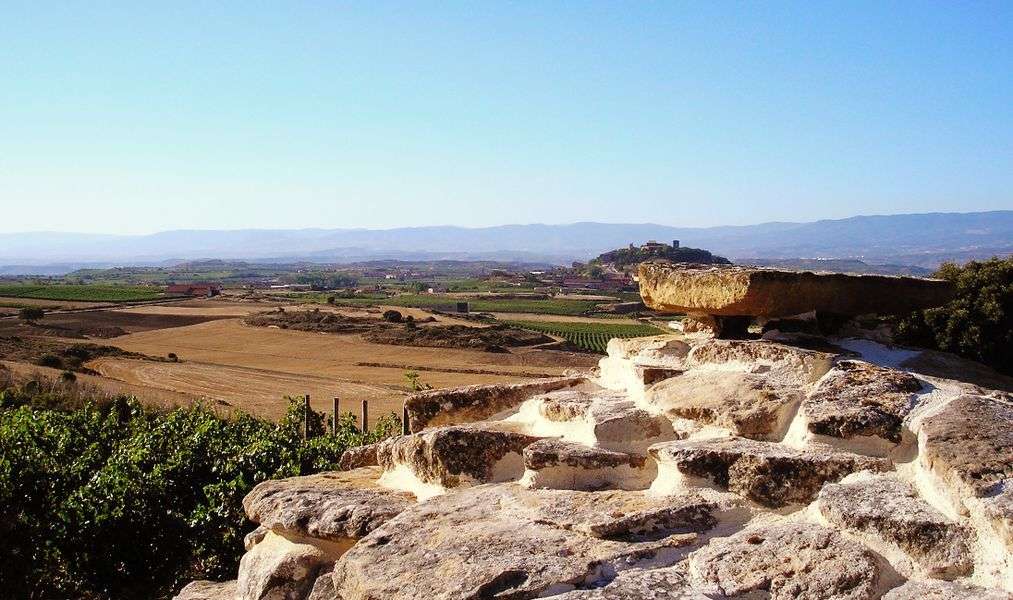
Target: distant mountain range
(920, 240)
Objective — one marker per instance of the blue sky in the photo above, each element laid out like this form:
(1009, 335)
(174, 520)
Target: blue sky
(126, 119)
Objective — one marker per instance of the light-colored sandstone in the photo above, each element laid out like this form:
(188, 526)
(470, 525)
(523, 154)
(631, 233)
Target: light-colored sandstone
(859, 399)
(337, 506)
(207, 590)
(503, 541)
(558, 464)
(944, 590)
(889, 508)
(788, 562)
(745, 291)
(476, 402)
(767, 473)
(280, 569)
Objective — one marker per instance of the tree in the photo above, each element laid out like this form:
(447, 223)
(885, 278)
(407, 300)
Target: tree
(977, 323)
(31, 314)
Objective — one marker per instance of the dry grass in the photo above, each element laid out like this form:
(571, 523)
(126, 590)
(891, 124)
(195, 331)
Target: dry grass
(253, 367)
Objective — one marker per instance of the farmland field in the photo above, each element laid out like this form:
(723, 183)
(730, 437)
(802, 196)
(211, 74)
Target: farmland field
(550, 306)
(587, 335)
(82, 293)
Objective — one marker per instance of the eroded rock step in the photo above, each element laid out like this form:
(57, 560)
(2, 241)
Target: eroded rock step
(790, 562)
(890, 509)
(770, 474)
(602, 419)
(857, 399)
(503, 541)
(454, 456)
(558, 464)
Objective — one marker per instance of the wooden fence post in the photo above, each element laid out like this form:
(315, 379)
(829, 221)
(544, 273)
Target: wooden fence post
(405, 429)
(365, 415)
(336, 403)
(306, 418)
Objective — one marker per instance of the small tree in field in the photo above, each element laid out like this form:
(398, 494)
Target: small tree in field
(31, 314)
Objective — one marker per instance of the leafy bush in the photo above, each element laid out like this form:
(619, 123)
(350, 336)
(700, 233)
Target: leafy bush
(105, 498)
(977, 323)
(31, 314)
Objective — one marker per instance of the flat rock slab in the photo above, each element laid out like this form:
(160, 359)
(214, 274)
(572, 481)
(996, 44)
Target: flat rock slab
(789, 364)
(335, 506)
(601, 418)
(742, 291)
(891, 509)
(280, 568)
(750, 405)
(554, 452)
(969, 446)
(642, 584)
(944, 590)
(459, 454)
(476, 402)
(860, 399)
(768, 473)
(502, 541)
(790, 562)
(207, 590)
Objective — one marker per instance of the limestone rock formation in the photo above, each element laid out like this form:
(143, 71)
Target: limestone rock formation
(889, 508)
(476, 402)
(768, 473)
(207, 590)
(686, 467)
(748, 291)
(860, 399)
(790, 562)
(338, 506)
(507, 542)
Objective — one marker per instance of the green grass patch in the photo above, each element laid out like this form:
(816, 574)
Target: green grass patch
(593, 337)
(82, 293)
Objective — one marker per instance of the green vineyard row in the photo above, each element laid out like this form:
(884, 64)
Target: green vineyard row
(593, 337)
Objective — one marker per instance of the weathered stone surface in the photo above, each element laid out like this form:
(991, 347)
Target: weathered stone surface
(207, 590)
(600, 418)
(279, 569)
(969, 446)
(323, 587)
(458, 455)
(860, 399)
(502, 541)
(790, 562)
(750, 405)
(634, 364)
(476, 402)
(891, 509)
(669, 583)
(358, 456)
(255, 537)
(789, 364)
(944, 590)
(558, 464)
(742, 291)
(767, 473)
(335, 506)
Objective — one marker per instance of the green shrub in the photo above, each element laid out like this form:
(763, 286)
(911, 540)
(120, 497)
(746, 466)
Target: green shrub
(50, 360)
(105, 498)
(977, 323)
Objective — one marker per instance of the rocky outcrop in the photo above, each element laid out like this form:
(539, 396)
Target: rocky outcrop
(559, 464)
(788, 562)
(944, 590)
(457, 455)
(474, 403)
(747, 291)
(207, 590)
(890, 509)
(507, 542)
(767, 473)
(688, 468)
(968, 445)
(336, 507)
(859, 399)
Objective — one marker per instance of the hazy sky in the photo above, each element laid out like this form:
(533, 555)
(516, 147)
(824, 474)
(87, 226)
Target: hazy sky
(127, 119)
